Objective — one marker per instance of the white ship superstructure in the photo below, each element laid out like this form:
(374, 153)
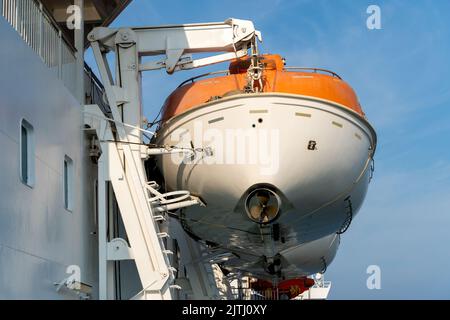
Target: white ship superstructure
(48, 226)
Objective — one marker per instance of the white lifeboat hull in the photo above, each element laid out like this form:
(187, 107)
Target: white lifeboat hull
(315, 154)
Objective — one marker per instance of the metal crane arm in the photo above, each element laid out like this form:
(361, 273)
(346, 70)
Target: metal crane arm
(178, 42)
(122, 160)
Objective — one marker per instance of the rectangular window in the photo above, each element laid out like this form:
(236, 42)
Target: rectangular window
(68, 183)
(27, 153)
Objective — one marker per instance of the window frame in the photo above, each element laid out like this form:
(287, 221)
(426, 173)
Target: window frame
(30, 178)
(68, 183)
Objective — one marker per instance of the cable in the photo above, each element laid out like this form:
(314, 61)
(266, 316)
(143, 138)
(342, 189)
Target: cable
(152, 123)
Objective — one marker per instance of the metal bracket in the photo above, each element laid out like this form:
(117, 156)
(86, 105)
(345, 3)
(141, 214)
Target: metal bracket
(118, 249)
(120, 94)
(125, 38)
(104, 36)
(173, 57)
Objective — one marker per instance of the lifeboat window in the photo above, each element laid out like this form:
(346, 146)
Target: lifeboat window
(68, 183)
(337, 124)
(301, 114)
(27, 153)
(215, 120)
(259, 111)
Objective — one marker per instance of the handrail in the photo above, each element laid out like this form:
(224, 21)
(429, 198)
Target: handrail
(55, 24)
(95, 92)
(93, 76)
(5, 5)
(314, 70)
(40, 31)
(226, 72)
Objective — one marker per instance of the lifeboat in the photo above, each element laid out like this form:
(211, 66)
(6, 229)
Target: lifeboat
(282, 165)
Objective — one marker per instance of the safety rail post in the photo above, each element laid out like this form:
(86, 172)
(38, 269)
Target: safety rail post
(60, 57)
(41, 29)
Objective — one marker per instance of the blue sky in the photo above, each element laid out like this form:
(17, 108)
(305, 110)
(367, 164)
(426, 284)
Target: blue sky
(401, 74)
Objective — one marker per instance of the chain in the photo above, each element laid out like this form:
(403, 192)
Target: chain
(254, 72)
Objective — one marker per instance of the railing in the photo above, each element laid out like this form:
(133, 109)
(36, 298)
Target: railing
(227, 72)
(314, 70)
(192, 80)
(95, 92)
(43, 35)
(250, 294)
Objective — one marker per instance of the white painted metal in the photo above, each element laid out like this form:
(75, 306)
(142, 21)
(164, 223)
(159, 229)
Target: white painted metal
(136, 214)
(40, 241)
(178, 41)
(118, 249)
(155, 277)
(201, 277)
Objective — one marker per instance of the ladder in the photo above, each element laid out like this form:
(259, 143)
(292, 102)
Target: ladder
(143, 210)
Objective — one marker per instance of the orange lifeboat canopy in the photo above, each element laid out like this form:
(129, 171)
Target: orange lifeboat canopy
(276, 79)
